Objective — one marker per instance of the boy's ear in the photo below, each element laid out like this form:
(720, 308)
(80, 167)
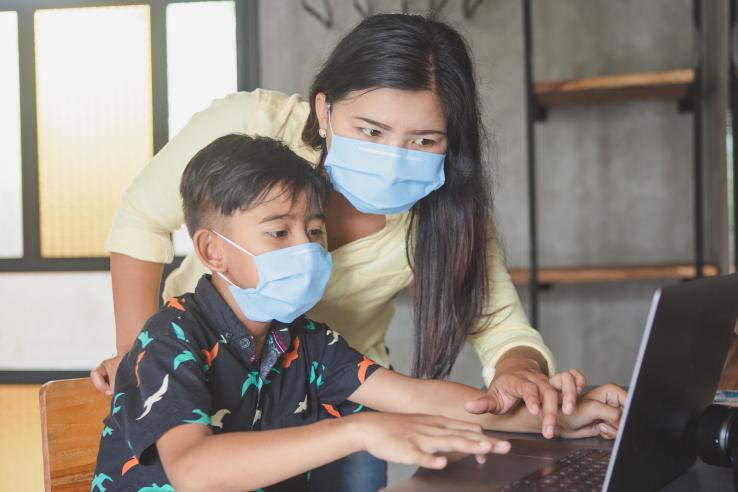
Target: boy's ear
(209, 249)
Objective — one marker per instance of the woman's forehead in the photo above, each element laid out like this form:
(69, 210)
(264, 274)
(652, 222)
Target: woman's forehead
(402, 110)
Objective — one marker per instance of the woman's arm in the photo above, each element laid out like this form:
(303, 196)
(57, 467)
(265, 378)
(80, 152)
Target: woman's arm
(135, 296)
(135, 300)
(194, 459)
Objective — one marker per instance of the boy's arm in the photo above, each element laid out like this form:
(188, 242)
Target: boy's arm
(389, 391)
(194, 459)
(392, 392)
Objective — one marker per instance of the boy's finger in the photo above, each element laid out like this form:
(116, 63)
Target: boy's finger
(427, 460)
(451, 424)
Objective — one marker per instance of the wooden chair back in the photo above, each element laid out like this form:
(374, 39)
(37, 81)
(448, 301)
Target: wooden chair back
(72, 412)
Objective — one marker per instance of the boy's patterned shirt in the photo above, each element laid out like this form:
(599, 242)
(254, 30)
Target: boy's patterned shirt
(195, 363)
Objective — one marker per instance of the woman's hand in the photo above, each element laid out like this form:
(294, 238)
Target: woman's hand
(419, 439)
(103, 376)
(520, 378)
(597, 413)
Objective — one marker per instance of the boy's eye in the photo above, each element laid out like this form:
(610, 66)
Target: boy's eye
(371, 132)
(316, 232)
(278, 234)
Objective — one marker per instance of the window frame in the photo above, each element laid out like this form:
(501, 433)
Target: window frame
(247, 71)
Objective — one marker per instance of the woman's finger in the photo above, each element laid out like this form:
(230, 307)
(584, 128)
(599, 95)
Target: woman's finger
(550, 409)
(528, 391)
(579, 379)
(98, 376)
(485, 404)
(607, 431)
(566, 383)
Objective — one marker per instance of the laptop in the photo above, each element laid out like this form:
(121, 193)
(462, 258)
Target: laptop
(677, 371)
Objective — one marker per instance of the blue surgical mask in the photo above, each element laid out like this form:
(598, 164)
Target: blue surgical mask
(291, 281)
(381, 179)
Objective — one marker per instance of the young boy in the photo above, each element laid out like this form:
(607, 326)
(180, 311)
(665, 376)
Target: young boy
(238, 356)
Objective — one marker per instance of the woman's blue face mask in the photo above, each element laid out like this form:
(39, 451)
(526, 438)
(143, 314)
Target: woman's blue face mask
(381, 179)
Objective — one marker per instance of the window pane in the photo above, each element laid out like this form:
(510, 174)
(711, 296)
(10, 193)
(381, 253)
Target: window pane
(95, 128)
(11, 218)
(201, 66)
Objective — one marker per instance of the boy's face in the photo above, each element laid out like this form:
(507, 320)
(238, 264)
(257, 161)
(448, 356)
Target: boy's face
(276, 223)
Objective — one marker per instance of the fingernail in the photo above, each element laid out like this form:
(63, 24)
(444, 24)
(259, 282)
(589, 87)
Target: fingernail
(569, 408)
(440, 461)
(502, 447)
(534, 409)
(481, 459)
(603, 428)
(549, 431)
(485, 445)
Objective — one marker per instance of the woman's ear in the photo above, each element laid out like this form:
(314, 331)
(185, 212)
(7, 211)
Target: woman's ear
(321, 111)
(209, 250)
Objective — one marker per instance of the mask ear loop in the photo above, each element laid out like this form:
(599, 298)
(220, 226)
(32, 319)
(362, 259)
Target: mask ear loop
(235, 246)
(330, 121)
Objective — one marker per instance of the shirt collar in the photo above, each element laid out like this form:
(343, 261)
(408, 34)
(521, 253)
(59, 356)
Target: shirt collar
(225, 323)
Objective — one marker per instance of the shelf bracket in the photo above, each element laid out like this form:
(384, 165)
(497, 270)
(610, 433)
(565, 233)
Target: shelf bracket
(325, 17)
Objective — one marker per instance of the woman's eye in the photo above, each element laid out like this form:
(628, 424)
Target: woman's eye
(424, 142)
(371, 132)
(278, 234)
(316, 232)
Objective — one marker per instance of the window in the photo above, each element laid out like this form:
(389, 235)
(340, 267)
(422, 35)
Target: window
(94, 89)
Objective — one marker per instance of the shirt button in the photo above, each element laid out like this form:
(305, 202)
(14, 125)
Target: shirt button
(244, 343)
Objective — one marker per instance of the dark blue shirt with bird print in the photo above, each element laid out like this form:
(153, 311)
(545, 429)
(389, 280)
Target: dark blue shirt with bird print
(195, 363)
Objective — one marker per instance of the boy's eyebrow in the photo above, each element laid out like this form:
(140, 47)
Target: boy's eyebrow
(269, 218)
(389, 128)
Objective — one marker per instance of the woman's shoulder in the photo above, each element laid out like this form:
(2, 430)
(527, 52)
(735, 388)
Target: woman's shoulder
(264, 112)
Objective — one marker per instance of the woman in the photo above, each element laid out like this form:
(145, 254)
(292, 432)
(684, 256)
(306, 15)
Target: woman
(393, 118)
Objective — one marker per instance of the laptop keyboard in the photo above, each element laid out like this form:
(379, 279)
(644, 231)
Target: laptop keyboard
(583, 470)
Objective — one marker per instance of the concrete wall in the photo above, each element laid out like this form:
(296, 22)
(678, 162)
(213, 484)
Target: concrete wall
(614, 181)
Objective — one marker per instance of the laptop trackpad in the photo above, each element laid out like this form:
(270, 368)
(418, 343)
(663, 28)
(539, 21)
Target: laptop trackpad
(471, 476)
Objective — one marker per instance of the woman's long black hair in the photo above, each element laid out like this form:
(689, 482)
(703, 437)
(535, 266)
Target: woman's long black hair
(447, 238)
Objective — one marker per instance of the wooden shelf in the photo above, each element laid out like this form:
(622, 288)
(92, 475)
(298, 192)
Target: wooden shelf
(593, 274)
(673, 84)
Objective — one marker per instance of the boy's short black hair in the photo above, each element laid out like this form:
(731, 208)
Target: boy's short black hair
(237, 172)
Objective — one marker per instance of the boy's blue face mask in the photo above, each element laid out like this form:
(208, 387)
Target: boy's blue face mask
(291, 281)
(381, 179)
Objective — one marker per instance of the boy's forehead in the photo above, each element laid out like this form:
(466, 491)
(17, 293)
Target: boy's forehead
(281, 202)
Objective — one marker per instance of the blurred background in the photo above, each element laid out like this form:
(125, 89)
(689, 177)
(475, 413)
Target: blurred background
(610, 149)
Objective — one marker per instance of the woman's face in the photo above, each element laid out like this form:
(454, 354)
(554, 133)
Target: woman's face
(400, 118)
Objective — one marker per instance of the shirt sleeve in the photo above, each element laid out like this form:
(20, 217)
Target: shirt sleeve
(339, 370)
(151, 208)
(504, 325)
(161, 384)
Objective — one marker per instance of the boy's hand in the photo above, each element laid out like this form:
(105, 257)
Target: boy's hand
(103, 376)
(416, 439)
(597, 413)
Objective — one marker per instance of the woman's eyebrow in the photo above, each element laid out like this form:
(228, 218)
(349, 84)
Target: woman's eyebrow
(389, 128)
